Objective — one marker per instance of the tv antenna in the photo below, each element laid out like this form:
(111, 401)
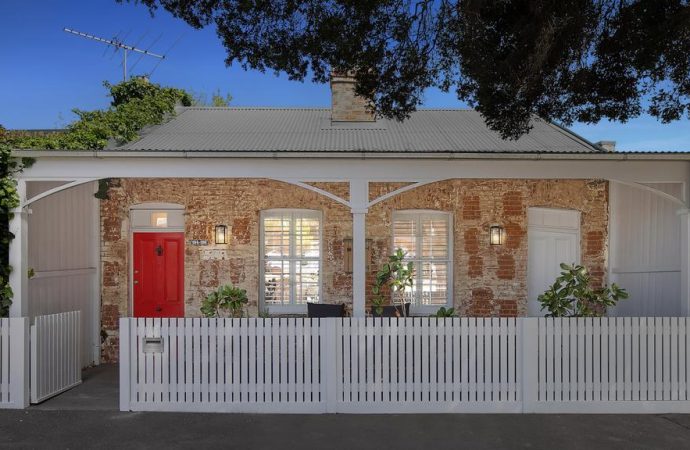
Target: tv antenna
(119, 45)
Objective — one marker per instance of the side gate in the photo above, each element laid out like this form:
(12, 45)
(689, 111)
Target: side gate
(55, 354)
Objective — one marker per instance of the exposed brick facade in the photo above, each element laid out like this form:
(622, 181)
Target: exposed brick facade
(492, 280)
(487, 280)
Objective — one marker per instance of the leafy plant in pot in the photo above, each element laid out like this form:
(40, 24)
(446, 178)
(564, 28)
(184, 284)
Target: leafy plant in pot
(572, 296)
(397, 276)
(226, 301)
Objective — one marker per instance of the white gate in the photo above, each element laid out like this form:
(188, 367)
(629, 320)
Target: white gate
(55, 354)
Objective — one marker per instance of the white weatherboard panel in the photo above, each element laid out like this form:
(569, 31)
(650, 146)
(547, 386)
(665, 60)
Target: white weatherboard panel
(644, 251)
(63, 248)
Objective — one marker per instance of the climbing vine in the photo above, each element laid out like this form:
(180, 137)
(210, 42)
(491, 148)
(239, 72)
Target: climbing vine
(136, 103)
(9, 199)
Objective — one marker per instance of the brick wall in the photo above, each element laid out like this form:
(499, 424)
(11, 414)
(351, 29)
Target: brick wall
(488, 280)
(236, 203)
(492, 280)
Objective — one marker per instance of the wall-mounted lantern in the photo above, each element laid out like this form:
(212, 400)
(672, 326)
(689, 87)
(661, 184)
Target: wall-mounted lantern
(221, 234)
(347, 244)
(497, 235)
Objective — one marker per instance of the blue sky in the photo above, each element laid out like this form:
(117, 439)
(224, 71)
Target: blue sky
(45, 72)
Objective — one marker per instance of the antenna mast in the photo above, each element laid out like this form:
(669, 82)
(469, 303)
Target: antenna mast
(118, 45)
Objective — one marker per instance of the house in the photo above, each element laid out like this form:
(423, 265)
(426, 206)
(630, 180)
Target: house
(303, 205)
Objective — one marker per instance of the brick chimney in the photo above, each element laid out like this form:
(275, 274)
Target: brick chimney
(609, 146)
(345, 105)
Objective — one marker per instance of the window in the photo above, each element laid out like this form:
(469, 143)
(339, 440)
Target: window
(426, 238)
(291, 258)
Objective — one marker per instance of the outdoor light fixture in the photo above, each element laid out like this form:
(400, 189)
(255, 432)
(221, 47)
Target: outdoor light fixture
(347, 244)
(497, 235)
(221, 234)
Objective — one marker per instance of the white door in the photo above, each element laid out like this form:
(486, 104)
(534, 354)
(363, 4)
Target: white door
(553, 238)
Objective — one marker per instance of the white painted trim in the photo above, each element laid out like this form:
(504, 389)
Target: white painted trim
(403, 189)
(156, 207)
(662, 194)
(305, 170)
(417, 215)
(64, 273)
(315, 189)
(290, 308)
(57, 189)
(359, 198)
(644, 269)
(368, 155)
(97, 279)
(19, 256)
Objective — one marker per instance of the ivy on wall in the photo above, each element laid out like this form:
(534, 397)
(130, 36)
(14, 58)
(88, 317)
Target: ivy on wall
(136, 103)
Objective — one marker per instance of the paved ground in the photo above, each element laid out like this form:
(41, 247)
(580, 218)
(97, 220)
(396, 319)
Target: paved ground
(87, 417)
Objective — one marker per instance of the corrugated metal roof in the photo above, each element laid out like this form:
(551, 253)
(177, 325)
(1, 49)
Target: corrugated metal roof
(311, 130)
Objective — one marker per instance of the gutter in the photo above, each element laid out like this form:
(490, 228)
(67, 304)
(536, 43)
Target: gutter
(507, 156)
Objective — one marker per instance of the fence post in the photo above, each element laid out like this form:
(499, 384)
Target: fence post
(125, 361)
(529, 358)
(329, 379)
(20, 375)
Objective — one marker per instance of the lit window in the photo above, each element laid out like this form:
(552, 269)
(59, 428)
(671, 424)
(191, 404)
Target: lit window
(291, 257)
(425, 236)
(159, 219)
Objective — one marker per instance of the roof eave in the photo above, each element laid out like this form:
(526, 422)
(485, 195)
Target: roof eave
(614, 156)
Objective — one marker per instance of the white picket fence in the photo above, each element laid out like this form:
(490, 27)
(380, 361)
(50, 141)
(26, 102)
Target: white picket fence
(55, 354)
(623, 364)
(14, 362)
(412, 365)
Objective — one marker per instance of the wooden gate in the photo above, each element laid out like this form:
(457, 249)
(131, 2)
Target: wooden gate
(55, 354)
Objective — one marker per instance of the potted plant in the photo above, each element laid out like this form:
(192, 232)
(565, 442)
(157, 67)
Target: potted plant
(226, 301)
(572, 296)
(397, 276)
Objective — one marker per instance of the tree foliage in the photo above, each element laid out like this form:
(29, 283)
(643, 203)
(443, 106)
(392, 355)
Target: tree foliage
(9, 200)
(563, 60)
(217, 99)
(136, 103)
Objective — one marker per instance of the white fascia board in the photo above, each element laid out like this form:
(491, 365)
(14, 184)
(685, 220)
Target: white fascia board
(412, 170)
(487, 156)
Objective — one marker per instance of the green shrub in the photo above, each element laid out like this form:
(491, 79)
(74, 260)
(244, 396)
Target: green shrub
(226, 301)
(572, 296)
(398, 276)
(445, 312)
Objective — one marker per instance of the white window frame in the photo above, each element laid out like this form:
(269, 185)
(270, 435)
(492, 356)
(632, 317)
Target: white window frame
(417, 214)
(290, 308)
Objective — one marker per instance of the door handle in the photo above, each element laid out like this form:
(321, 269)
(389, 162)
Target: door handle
(158, 308)
(159, 250)
(136, 281)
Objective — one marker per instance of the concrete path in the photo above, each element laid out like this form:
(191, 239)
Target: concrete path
(87, 417)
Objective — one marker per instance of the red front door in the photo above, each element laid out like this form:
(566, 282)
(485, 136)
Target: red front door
(158, 274)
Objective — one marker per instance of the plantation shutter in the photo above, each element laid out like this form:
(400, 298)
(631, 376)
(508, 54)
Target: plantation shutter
(291, 253)
(425, 238)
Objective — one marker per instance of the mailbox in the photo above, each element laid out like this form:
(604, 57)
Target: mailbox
(152, 345)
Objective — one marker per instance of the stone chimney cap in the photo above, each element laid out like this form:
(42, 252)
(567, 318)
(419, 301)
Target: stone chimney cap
(609, 146)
